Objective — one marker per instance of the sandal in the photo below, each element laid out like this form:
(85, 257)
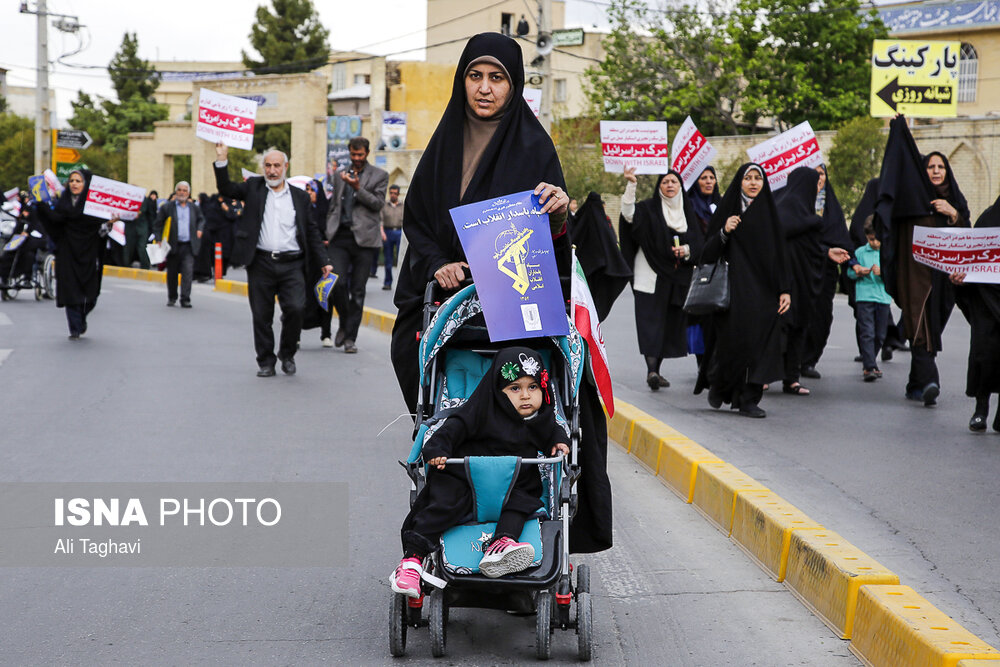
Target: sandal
(869, 375)
(795, 388)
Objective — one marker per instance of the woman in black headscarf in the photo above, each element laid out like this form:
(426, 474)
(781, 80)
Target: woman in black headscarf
(838, 247)
(980, 303)
(661, 240)
(746, 353)
(314, 315)
(79, 243)
(489, 144)
(704, 197)
(917, 191)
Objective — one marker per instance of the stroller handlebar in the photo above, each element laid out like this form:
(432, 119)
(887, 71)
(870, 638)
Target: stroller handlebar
(537, 461)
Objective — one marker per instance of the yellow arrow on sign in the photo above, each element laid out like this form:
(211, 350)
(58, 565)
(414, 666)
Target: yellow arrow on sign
(67, 155)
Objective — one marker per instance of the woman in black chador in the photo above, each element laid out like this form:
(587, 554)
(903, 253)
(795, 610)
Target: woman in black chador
(704, 197)
(79, 242)
(489, 144)
(661, 240)
(917, 191)
(980, 303)
(746, 353)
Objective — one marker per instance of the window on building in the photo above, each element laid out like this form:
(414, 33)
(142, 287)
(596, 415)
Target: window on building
(507, 23)
(339, 78)
(560, 92)
(968, 73)
(362, 78)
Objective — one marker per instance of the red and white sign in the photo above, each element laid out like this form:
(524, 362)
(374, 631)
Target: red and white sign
(107, 198)
(975, 252)
(533, 96)
(632, 143)
(692, 153)
(780, 155)
(226, 118)
(117, 233)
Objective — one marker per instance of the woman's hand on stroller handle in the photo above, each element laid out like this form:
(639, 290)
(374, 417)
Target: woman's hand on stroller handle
(438, 462)
(451, 275)
(560, 447)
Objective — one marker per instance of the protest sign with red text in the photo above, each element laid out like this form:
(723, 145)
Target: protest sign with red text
(107, 198)
(226, 118)
(692, 153)
(782, 154)
(639, 144)
(975, 252)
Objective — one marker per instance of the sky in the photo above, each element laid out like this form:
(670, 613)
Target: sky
(207, 31)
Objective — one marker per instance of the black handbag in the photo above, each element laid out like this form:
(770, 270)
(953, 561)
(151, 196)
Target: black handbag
(709, 291)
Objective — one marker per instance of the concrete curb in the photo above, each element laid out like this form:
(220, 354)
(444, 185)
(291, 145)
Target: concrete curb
(857, 597)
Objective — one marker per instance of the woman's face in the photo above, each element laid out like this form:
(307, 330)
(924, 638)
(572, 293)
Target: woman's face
(75, 183)
(753, 183)
(670, 186)
(936, 170)
(822, 178)
(486, 89)
(706, 182)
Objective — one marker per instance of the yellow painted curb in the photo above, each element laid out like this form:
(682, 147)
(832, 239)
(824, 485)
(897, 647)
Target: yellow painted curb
(678, 468)
(896, 626)
(825, 572)
(236, 287)
(136, 274)
(716, 486)
(763, 523)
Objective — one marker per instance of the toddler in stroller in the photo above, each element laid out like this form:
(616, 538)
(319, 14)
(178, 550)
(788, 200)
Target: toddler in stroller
(509, 414)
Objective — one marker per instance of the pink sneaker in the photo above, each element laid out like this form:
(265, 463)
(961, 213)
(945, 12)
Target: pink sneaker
(505, 556)
(406, 577)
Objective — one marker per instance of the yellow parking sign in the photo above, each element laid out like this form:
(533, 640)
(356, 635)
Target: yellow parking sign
(915, 78)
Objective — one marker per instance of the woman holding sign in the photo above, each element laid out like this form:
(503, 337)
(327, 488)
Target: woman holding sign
(488, 144)
(79, 242)
(661, 240)
(746, 353)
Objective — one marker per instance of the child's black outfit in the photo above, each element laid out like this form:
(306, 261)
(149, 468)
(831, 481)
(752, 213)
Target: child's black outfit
(486, 425)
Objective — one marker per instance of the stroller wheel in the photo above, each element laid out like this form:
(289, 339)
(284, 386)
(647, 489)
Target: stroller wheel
(582, 578)
(543, 625)
(438, 622)
(585, 626)
(397, 625)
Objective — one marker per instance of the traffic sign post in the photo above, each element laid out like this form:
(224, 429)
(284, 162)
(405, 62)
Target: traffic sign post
(915, 78)
(66, 147)
(73, 139)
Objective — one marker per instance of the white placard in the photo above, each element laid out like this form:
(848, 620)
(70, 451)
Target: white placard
(782, 154)
(639, 144)
(117, 233)
(976, 252)
(533, 96)
(226, 118)
(692, 153)
(107, 198)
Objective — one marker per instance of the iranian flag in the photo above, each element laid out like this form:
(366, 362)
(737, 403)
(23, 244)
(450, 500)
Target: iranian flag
(585, 319)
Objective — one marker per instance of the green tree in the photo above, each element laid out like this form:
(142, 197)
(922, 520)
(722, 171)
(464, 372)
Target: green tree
(809, 59)
(856, 157)
(109, 122)
(291, 39)
(3, 104)
(17, 145)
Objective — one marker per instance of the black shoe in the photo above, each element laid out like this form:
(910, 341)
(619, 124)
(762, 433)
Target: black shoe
(886, 354)
(265, 371)
(74, 336)
(714, 398)
(858, 358)
(752, 411)
(288, 366)
(654, 384)
(350, 347)
(931, 392)
(386, 287)
(810, 372)
(338, 340)
(914, 395)
(185, 304)
(977, 423)
(171, 303)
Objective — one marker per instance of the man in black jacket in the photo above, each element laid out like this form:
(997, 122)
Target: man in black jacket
(276, 242)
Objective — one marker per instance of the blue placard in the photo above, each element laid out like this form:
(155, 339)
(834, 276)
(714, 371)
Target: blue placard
(322, 291)
(39, 191)
(509, 248)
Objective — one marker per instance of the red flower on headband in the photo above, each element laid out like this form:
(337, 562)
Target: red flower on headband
(545, 384)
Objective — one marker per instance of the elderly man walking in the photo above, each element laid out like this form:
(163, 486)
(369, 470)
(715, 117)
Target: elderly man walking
(354, 231)
(277, 242)
(187, 223)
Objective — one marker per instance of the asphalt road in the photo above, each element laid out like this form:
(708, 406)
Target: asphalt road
(154, 394)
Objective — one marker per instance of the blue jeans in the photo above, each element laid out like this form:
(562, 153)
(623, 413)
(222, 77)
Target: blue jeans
(389, 247)
(873, 322)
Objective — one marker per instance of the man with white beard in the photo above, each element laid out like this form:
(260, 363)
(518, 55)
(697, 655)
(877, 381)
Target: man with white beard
(277, 243)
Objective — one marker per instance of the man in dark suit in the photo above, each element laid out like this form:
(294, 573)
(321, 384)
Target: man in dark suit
(186, 226)
(354, 232)
(276, 241)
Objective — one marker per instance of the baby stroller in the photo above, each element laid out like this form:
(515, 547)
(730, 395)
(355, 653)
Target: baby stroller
(455, 353)
(42, 278)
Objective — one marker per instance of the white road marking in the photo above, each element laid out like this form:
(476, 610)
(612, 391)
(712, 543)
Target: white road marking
(5, 321)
